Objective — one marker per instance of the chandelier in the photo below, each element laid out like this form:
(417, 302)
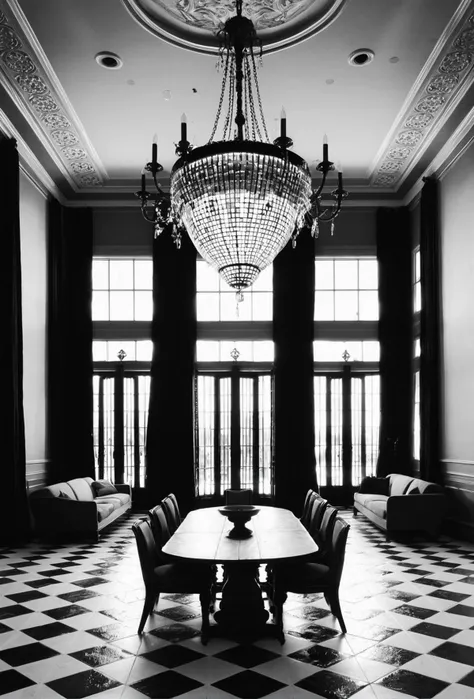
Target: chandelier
(242, 198)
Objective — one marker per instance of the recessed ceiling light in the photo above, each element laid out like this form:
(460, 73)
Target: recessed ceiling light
(109, 60)
(394, 59)
(361, 57)
(329, 81)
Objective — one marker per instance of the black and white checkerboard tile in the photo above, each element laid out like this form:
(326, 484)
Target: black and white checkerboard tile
(69, 615)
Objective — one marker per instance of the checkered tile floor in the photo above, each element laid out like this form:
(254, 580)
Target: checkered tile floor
(69, 614)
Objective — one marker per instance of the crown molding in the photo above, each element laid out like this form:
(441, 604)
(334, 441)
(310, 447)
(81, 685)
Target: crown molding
(36, 91)
(29, 163)
(442, 83)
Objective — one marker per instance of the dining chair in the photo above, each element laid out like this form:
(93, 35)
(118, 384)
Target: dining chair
(318, 507)
(174, 577)
(159, 527)
(238, 496)
(323, 534)
(172, 514)
(308, 577)
(308, 501)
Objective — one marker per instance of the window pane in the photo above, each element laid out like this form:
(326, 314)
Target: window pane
(264, 281)
(324, 272)
(144, 349)
(262, 306)
(114, 347)
(100, 274)
(207, 279)
(143, 305)
(345, 273)
(99, 351)
(327, 351)
(263, 351)
(100, 305)
(368, 305)
(121, 274)
(323, 305)
(121, 305)
(417, 298)
(354, 349)
(417, 266)
(368, 274)
(207, 306)
(345, 305)
(244, 348)
(143, 274)
(371, 351)
(207, 351)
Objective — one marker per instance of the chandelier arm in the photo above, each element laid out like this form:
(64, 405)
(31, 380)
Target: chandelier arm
(149, 217)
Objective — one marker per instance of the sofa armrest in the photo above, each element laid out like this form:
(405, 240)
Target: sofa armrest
(64, 515)
(124, 488)
(416, 511)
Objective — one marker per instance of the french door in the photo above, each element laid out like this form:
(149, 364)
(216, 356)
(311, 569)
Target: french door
(233, 433)
(121, 399)
(347, 424)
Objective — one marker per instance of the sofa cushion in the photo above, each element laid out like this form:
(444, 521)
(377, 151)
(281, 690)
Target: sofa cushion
(425, 486)
(117, 499)
(82, 489)
(372, 484)
(103, 487)
(399, 483)
(57, 490)
(367, 499)
(104, 509)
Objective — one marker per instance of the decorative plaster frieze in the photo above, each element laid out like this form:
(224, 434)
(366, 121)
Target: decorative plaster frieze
(34, 87)
(450, 74)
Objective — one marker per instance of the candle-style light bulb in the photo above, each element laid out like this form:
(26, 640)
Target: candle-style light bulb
(184, 122)
(282, 123)
(154, 151)
(143, 181)
(325, 149)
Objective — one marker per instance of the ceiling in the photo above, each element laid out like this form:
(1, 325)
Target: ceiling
(86, 132)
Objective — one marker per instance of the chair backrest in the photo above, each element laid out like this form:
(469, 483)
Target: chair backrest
(147, 552)
(310, 495)
(318, 506)
(326, 526)
(242, 496)
(170, 508)
(159, 526)
(338, 548)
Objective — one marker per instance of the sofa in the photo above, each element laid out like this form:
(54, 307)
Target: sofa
(399, 503)
(80, 507)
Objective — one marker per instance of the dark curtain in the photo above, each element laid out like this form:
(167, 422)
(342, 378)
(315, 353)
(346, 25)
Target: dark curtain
(395, 328)
(70, 342)
(293, 311)
(170, 434)
(14, 517)
(429, 332)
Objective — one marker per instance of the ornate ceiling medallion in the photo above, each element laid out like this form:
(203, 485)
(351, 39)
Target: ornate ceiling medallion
(194, 24)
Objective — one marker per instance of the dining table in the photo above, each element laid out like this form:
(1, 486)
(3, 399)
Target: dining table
(275, 536)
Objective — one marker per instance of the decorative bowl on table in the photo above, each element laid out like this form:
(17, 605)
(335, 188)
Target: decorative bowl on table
(239, 515)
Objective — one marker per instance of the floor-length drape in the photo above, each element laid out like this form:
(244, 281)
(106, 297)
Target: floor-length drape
(429, 332)
(70, 366)
(395, 328)
(170, 434)
(14, 516)
(293, 323)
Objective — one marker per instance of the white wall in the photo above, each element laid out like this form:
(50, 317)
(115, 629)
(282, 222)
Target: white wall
(33, 210)
(457, 283)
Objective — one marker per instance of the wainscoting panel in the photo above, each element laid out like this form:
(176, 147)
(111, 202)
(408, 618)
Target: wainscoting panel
(36, 473)
(459, 483)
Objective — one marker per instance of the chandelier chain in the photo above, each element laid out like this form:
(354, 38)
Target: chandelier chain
(221, 98)
(260, 108)
(256, 133)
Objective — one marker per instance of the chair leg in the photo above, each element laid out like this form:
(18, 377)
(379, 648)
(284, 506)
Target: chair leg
(279, 599)
(332, 598)
(150, 599)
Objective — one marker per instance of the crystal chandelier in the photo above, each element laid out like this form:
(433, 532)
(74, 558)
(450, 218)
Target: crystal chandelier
(241, 198)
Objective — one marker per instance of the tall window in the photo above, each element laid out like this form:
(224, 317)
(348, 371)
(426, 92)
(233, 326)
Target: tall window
(121, 311)
(233, 388)
(346, 381)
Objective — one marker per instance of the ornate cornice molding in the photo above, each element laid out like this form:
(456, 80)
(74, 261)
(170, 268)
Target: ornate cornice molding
(442, 84)
(35, 89)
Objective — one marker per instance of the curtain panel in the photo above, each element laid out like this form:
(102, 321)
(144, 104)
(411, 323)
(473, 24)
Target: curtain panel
(293, 329)
(395, 335)
(429, 332)
(170, 433)
(70, 368)
(14, 514)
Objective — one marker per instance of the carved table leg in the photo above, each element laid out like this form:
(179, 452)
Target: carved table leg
(241, 608)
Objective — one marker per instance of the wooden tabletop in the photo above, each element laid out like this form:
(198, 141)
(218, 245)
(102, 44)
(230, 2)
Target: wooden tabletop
(277, 535)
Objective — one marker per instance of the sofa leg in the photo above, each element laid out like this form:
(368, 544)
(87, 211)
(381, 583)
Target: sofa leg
(354, 511)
